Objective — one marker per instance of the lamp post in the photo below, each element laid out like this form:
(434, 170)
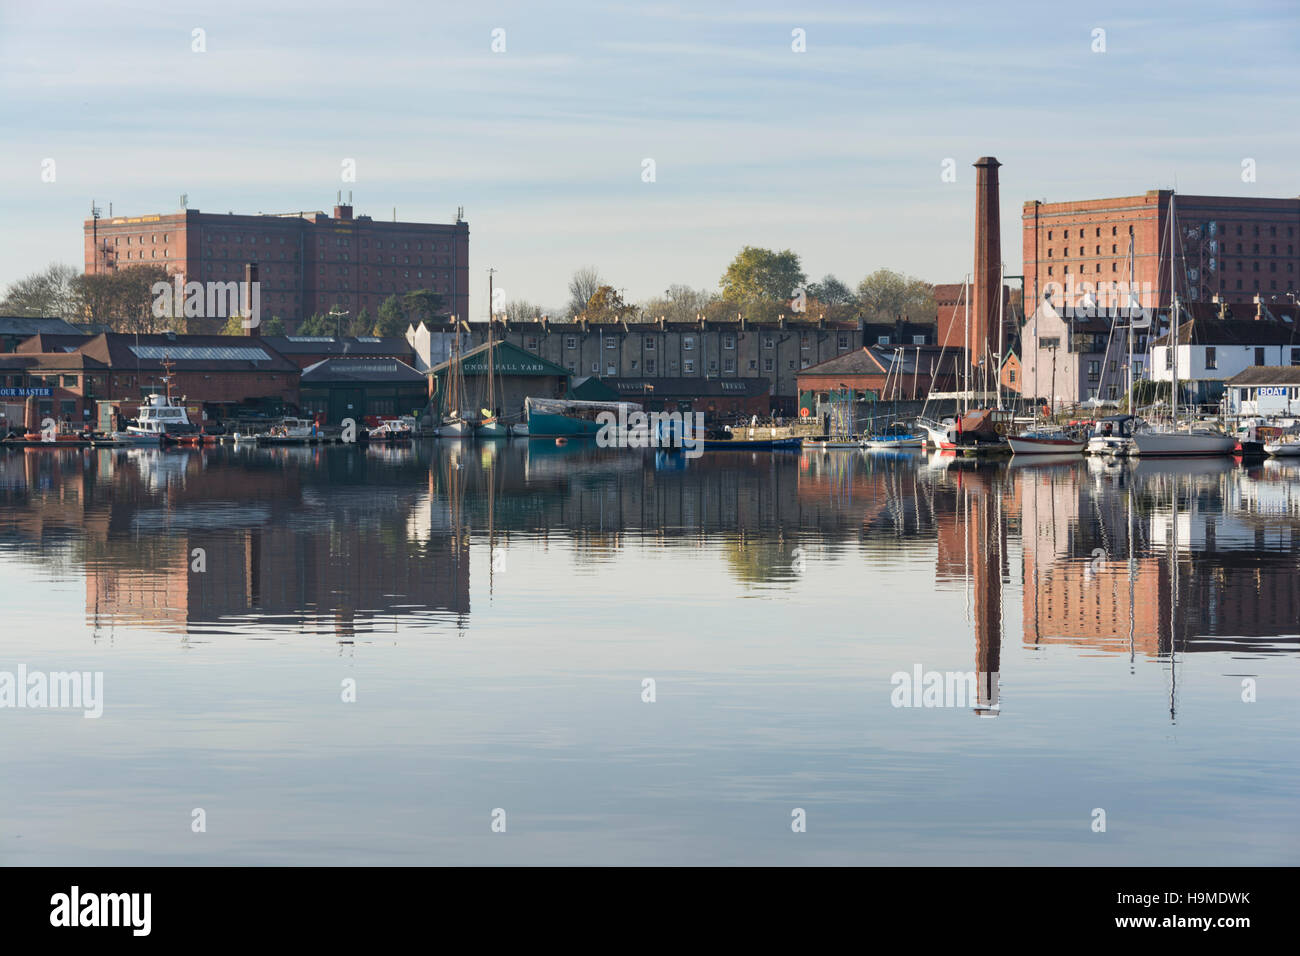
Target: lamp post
(338, 321)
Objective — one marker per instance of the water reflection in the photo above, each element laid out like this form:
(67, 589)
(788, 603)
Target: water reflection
(346, 540)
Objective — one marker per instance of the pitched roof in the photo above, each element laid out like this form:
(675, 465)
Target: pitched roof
(121, 350)
(25, 325)
(1267, 375)
(507, 359)
(330, 345)
(1216, 331)
(361, 369)
(52, 342)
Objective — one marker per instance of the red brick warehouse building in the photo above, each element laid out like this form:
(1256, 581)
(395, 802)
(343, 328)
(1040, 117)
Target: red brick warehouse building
(1233, 247)
(308, 261)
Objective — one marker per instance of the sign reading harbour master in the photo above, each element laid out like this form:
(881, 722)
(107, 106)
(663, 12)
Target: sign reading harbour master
(34, 391)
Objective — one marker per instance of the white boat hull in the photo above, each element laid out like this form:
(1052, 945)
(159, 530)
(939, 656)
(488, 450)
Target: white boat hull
(1181, 444)
(455, 430)
(910, 441)
(1034, 445)
(1283, 449)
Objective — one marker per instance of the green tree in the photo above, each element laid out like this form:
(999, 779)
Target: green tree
(831, 291)
(422, 305)
(363, 323)
(316, 325)
(885, 295)
(392, 320)
(761, 275)
(274, 326)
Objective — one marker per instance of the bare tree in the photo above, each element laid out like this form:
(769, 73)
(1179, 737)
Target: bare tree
(584, 284)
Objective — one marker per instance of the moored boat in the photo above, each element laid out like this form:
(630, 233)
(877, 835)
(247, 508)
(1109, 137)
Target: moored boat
(1046, 442)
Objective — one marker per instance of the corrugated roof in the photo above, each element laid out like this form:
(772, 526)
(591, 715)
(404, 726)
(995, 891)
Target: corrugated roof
(362, 370)
(1267, 375)
(33, 325)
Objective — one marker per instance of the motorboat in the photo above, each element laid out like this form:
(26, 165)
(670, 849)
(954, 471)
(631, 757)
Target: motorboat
(159, 419)
(1113, 435)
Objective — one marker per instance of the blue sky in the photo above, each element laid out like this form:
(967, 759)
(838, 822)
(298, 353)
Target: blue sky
(835, 152)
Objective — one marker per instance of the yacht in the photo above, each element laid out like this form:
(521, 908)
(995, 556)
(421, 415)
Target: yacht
(158, 420)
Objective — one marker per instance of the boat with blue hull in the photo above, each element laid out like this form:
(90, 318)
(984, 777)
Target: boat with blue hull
(566, 418)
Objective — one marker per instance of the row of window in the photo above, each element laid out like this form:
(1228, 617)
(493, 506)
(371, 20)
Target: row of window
(1114, 250)
(1114, 231)
(531, 343)
(687, 366)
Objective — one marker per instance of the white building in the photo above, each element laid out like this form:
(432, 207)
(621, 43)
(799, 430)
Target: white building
(1267, 392)
(1214, 346)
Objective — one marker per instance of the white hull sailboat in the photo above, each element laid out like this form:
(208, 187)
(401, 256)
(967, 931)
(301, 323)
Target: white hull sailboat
(1045, 443)
(1171, 441)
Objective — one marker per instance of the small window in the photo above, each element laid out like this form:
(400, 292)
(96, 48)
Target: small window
(1259, 356)
(530, 343)
(1211, 357)
(649, 343)
(649, 366)
(570, 341)
(882, 339)
(769, 341)
(769, 364)
(688, 343)
(729, 341)
(688, 366)
(842, 341)
(918, 340)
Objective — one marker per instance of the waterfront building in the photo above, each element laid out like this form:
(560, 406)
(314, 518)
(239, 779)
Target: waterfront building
(881, 373)
(308, 350)
(1233, 247)
(358, 387)
(214, 374)
(308, 262)
(1266, 391)
(518, 374)
(1214, 346)
(16, 329)
(703, 351)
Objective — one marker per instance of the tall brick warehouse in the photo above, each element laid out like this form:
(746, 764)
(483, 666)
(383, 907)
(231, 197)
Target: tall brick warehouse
(1236, 248)
(308, 261)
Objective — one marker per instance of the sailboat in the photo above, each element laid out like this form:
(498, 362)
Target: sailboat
(1172, 440)
(490, 425)
(453, 424)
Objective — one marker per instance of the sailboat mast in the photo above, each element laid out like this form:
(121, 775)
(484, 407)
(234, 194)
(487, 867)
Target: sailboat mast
(1173, 315)
(965, 391)
(1129, 393)
(997, 360)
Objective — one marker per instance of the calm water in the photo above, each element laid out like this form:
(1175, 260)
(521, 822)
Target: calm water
(501, 608)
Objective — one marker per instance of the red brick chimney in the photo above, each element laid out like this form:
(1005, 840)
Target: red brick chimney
(988, 262)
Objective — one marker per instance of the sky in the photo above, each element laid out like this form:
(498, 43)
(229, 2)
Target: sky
(836, 151)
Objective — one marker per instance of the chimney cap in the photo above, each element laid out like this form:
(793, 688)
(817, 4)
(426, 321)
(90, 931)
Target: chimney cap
(987, 161)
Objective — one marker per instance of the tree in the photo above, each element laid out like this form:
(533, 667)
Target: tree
(831, 291)
(680, 303)
(392, 320)
(422, 305)
(362, 323)
(316, 325)
(124, 299)
(234, 326)
(51, 292)
(582, 287)
(885, 295)
(274, 326)
(523, 309)
(606, 305)
(761, 275)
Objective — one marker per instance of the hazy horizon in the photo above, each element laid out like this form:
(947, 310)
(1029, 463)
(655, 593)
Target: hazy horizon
(835, 152)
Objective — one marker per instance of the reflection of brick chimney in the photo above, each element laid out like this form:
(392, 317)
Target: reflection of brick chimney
(988, 261)
(245, 307)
